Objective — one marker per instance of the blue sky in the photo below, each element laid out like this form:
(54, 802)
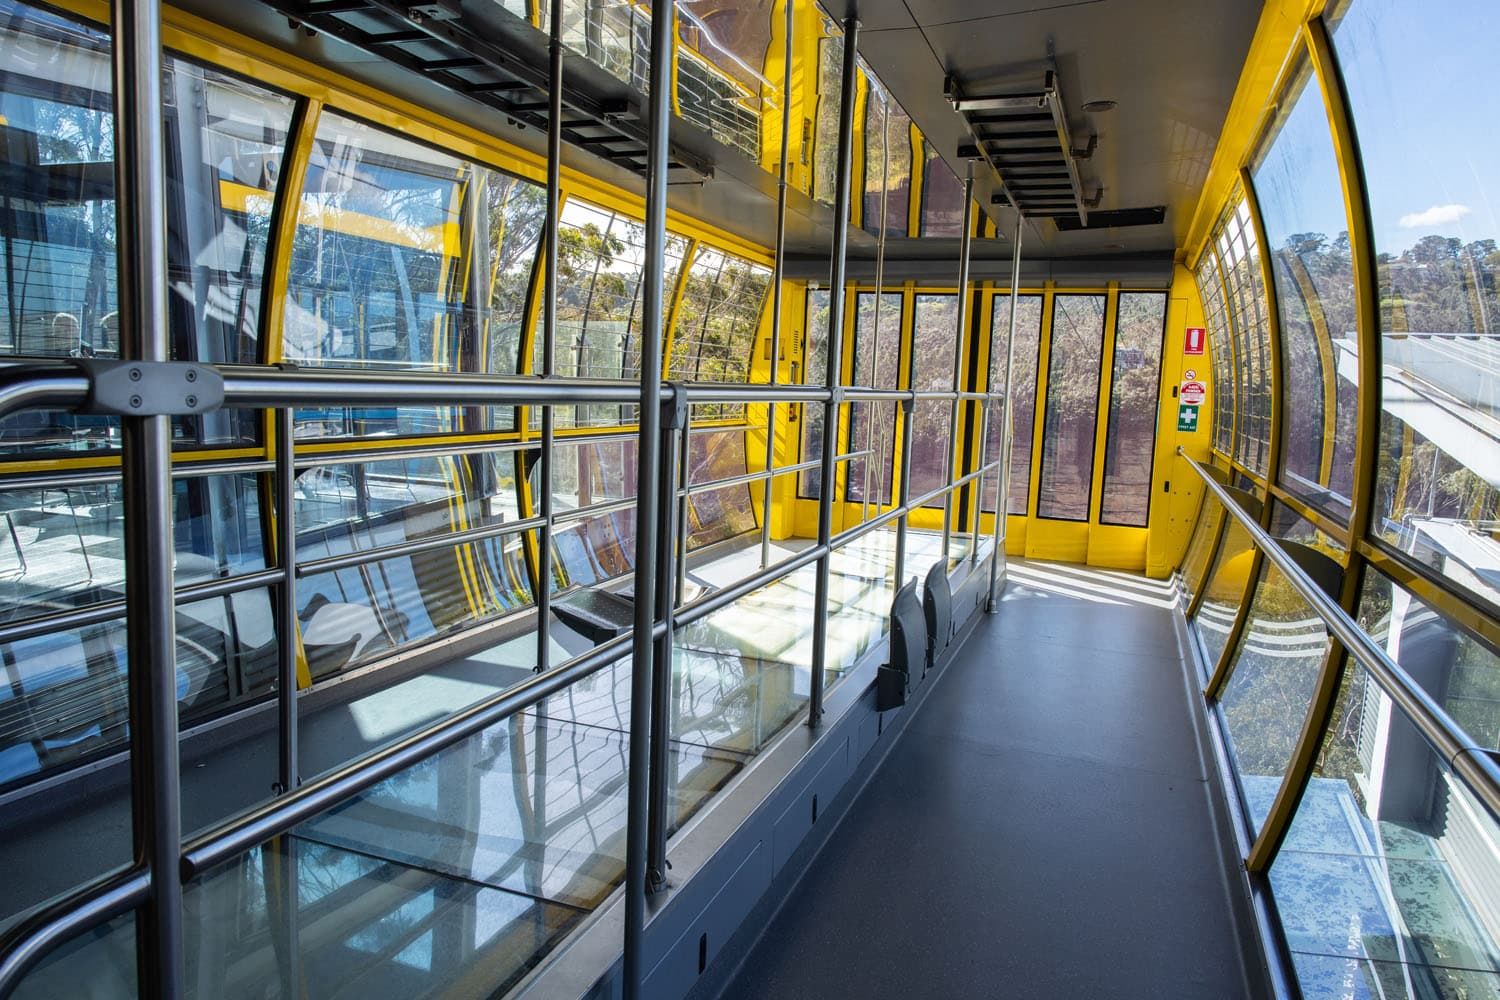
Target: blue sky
(1421, 79)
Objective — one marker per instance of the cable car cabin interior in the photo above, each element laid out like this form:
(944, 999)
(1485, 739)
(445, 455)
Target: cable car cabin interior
(769, 498)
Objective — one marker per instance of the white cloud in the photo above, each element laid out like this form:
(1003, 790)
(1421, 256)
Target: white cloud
(1437, 215)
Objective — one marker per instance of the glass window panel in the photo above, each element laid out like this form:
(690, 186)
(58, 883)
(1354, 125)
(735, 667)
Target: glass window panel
(934, 336)
(1274, 671)
(1386, 885)
(1130, 446)
(942, 197)
(402, 258)
(1460, 672)
(877, 356)
(1201, 545)
(1023, 389)
(348, 616)
(1288, 524)
(601, 270)
(718, 514)
(825, 151)
(899, 158)
(224, 143)
(96, 963)
(721, 63)
(614, 36)
(1227, 581)
(65, 696)
(591, 549)
(715, 325)
(815, 372)
(1431, 188)
(1301, 202)
(876, 138)
(1239, 263)
(1073, 371)
(1216, 321)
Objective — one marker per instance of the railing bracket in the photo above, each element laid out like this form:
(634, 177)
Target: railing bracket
(151, 388)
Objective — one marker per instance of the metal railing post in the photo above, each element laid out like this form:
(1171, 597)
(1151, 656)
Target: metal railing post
(835, 338)
(288, 774)
(146, 483)
(1002, 491)
(648, 521)
(684, 458)
(549, 340)
(958, 350)
(674, 416)
(781, 188)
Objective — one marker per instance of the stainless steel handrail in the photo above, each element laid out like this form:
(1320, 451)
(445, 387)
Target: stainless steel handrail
(1466, 758)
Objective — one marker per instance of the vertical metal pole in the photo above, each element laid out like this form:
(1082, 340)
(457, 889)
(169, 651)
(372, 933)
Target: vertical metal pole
(984, 433)
(288, 773)
(781, 189)
(684, 474)
(647, 522)
(885, 175)
(1002, 493)
(845, 163)
(146, 483)
(674, 417)
(958, 350)
(549, 340)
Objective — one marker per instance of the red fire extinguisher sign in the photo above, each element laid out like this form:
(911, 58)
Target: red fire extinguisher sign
(1192, 341)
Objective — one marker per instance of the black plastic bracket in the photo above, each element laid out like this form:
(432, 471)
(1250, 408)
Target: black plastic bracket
(151, 388)
(674, 406)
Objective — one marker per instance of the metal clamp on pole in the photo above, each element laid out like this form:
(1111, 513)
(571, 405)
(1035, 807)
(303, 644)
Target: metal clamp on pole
(150, 388)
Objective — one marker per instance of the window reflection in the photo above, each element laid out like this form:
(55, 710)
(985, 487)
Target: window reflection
(1430, 182)
(601, 262)
(405, 258)
(715, 325)
(350, 615)
(57, 220)
(942, 196)
(1301, 202)
(63, 548)
(721, 81)
(1245, 295)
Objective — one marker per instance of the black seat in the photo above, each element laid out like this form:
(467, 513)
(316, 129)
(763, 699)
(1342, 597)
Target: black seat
(937, 603)
(908, 646)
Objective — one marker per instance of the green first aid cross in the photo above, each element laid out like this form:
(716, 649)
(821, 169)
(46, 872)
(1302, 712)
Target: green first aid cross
(1187, 417)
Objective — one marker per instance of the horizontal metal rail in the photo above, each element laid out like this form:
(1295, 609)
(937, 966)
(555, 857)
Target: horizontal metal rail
(62, 480)
(97, 614)
(26, 943)
(1467, 759)
(61, 384)
(396, 550)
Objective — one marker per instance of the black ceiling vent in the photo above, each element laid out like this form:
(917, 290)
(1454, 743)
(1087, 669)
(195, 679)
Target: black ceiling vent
(1114, 218)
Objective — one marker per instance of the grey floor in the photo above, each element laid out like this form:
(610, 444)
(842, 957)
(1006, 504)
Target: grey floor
(1043, 828)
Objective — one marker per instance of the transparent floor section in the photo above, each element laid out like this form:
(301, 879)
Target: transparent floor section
(459, 875)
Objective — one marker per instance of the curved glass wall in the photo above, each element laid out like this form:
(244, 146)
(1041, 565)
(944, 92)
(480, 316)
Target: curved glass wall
(1228, 583)
(1272, 676)
(1300, 195)
(1434, 226)
(1216, 320)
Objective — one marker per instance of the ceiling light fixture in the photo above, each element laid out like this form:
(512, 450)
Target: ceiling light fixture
(1093, 107)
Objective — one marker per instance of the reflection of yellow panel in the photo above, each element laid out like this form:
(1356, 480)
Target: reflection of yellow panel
(1228, 583)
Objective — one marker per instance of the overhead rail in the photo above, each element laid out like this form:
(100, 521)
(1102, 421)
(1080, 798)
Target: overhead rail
(1023, 135)
(474, 63)
(1471, 762)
